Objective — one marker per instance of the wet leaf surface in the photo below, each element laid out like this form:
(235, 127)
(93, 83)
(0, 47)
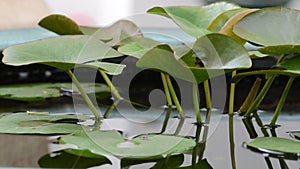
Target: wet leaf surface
(39, 123)
(42, 91)
(112, 142)
(275, 144)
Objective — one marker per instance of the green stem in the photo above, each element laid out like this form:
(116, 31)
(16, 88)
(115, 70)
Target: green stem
(174, 96)
(282, 100)
(260, 96)
(207, 94)
(231, 140)
(166, 89)
(196, 103)
(260, 124)
(197, 147)
(166, 120)
(111, 108)
(85, 96)
(231, 95)
(113, 89)
(251, 97)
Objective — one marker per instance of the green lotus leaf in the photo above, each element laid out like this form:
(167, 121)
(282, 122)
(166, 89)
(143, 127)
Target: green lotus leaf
(270, 27)
(42, 91)
(192, 19)
(275, 144)
(60, 24)
(256, 54)
(280, 49)
(40, 123)
(217, 24)
(63, 52)
(71, 158)
(137, 47)
(112, 142)
(114, 34)
(217, 52)
(203, 164)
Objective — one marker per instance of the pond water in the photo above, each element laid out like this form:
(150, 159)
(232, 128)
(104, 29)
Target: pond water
(25, 151)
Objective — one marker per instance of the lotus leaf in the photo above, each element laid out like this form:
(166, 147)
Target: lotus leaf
(275, 144)
(112, 142)
(192, 19)
(40, 123)
(41, 91)
(63, 52)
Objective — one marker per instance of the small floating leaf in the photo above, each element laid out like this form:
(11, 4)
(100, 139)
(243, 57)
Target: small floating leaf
(192, 19)
(42, 91)
(108, 142)
(71, 158)
(24, 123)
(281, 145)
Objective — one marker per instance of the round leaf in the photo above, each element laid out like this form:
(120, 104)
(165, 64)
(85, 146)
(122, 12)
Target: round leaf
(60, 24)
(271, 27)
(192, 19)
(275, 144)
(111, 142)
(40, 123)
(63, 52)
(41, 91)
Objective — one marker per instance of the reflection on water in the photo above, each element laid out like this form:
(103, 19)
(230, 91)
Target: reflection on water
(213, 150)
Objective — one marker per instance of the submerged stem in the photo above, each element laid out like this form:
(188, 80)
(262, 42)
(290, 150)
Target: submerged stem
(111, 108)
(196, 103)
(113, 89)
(282, 100)
(261, 95)
(85, 96)
(231, 140)
(174, 96)
(231, 95)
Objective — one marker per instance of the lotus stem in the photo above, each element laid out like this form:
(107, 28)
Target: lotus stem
(111, 108)
(113, 89)
(174, 96)
(282, 100)
(166, 120)
(166, 89)
(196, 103)
(231, 140)
(251, 96)
(207, 94)
(260, 96)
(85, 96)
(231, 95)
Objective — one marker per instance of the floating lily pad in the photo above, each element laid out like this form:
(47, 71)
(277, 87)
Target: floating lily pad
(217, 52)
(71, 158)
(42, 91)
(275, 145)
(63, 52)
(40, 123)
(192, 19)
(261, 27)
(112, 142)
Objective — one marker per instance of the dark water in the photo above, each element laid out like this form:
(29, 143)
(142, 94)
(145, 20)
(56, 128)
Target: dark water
(25, 151)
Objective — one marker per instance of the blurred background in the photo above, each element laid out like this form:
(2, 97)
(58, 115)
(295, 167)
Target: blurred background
(26, 13)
